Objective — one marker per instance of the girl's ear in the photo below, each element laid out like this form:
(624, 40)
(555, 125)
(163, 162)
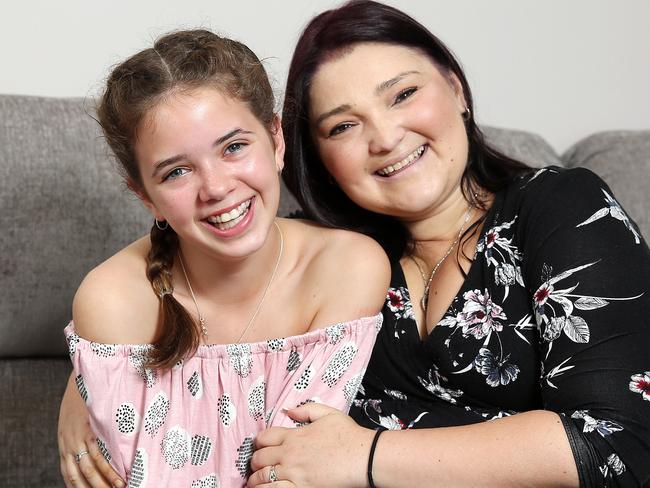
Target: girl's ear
(146, 201)
(277, 138)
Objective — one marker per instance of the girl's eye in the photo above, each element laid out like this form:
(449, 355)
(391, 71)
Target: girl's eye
(403, 95)
(338, 129)
(175, 173)
(235, 147)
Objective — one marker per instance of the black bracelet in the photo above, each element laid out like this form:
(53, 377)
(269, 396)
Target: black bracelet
(371, 457)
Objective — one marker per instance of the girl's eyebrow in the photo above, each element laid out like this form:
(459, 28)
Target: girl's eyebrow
(179, 157)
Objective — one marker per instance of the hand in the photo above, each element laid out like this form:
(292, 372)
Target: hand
(331, 451)
(75, 436)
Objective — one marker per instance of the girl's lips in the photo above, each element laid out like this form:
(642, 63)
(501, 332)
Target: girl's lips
(236, 226)
(400, 166)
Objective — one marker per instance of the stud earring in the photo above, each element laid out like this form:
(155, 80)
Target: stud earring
(161, 226)
(466, 114)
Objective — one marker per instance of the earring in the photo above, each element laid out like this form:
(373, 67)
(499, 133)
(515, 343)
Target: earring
(466, 114)
(161, 226)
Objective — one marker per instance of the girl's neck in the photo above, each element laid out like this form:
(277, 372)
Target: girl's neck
(233, 280)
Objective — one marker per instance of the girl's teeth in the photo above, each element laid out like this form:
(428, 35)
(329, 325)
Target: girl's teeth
(226, 219)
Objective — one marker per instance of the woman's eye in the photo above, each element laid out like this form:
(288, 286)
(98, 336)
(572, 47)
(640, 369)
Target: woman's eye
(339, 129)
(235, 147)
(403, 95)
(175, 173)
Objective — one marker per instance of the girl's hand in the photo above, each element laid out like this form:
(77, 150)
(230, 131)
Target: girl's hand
(75, 438)
(331, 451)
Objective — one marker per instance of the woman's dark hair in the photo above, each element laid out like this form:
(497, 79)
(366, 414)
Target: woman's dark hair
(177, 62)
(305, 175)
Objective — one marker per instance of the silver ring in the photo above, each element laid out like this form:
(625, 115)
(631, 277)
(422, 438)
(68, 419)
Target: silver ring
(79, 455)
(273, 476)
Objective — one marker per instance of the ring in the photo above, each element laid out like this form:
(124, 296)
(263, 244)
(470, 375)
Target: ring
(79, 455)
(273, 476)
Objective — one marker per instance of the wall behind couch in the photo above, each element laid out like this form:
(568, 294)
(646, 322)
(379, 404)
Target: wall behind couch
(561, 69)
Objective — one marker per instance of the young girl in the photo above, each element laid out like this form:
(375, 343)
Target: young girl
(187, 343)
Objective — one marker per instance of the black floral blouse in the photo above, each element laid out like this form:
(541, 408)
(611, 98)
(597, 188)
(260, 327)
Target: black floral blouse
(554, 314)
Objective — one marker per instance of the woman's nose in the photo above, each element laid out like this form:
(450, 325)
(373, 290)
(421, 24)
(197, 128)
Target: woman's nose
(385, 135)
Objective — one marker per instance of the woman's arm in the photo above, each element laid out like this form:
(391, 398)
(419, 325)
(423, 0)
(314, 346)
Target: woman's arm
(75, 436)
(527, 449)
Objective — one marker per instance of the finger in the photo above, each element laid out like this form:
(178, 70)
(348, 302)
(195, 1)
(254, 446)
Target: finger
(273, 436)
(106, 471)
(265, 457)
(262, 478)
(310, 412)
(72, 477)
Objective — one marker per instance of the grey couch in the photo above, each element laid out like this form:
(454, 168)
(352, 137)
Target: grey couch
(64, 210)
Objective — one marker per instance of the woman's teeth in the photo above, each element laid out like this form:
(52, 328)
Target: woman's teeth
(228, 220)
(404, 162)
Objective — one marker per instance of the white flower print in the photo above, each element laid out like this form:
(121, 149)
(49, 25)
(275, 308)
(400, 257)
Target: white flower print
(398, 302)
(615, 464)
(641, 384)
(497, 372)
(433, 385)
(613, 209)
(480, 314)
(603, 427)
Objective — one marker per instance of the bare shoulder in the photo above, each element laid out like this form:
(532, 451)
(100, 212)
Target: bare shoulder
(352, 272)
(115, 303)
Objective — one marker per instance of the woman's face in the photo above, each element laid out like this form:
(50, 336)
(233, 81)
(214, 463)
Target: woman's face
(388, 127)
(210, 168)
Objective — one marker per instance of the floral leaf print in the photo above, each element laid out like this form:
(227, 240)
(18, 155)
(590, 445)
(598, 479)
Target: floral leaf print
(391, 422)
(433, 385)
(576, 329)
(641, 384)
(480, 314)
(557, 371)
(613, 209)
(603, 427)
(499, 373)
(590, 303)
(398, 301)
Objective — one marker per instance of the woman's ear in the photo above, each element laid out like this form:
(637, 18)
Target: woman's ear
(277, 138)
(457, 87)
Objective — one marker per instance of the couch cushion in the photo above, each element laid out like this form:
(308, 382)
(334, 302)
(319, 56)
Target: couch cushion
(622, 159)
(525, 146)
(64, 210)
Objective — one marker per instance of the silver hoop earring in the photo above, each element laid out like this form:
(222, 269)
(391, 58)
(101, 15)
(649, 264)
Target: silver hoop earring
(161, 226)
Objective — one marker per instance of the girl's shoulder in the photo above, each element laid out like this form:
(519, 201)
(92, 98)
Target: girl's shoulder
(350, 270)
(115, 302)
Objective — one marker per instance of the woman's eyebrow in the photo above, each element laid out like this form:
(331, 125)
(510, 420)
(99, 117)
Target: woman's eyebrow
(385, 85)
(329, 113)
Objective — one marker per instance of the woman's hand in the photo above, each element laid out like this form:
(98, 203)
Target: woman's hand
(76, 437)
(331, 451)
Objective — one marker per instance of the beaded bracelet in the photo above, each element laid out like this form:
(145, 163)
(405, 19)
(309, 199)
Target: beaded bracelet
(371, 457)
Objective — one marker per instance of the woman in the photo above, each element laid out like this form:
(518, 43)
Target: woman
(188, 343)
(517, 296)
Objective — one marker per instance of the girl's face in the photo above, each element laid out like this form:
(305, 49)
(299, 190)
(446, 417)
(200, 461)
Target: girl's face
(210, 169)
(388, 126)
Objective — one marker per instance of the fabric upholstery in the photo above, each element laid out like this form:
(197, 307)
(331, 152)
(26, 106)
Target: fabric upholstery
(622, 159)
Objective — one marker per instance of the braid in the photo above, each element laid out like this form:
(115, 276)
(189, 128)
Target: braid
(178, 335)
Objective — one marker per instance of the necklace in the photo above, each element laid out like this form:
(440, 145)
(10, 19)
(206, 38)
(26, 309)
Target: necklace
(427, 282)
(204, 328)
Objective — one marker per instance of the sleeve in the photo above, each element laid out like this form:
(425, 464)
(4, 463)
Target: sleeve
(588, 269)
(330, 372)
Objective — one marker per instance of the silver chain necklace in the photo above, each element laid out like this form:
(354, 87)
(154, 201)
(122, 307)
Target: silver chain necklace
(427, 282)
(204, 328)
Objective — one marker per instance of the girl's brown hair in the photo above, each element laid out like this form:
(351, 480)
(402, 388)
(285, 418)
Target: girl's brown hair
(177, 62)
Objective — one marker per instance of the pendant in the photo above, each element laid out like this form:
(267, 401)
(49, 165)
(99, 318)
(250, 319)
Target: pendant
(425, 301)
(203, 327)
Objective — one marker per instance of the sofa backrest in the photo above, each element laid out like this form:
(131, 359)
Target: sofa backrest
(65, 209)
